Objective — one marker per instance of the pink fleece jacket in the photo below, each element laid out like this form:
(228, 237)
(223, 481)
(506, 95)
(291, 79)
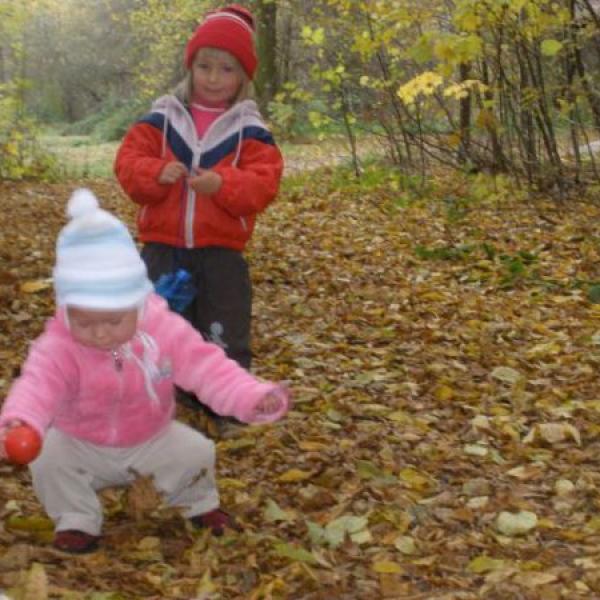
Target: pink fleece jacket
(126, 399)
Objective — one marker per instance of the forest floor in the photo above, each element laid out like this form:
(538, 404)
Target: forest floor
(445, 438)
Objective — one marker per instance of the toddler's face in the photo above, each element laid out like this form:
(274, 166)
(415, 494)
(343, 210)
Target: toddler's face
(102, 329)
(216, 75)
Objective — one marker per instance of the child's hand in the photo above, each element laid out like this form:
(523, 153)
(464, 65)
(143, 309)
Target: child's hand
(205, 182)
(273, 402)
(172, 172)
(3, 431)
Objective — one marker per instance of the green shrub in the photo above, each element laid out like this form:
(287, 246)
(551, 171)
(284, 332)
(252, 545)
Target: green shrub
(21, 155)
(109, 123)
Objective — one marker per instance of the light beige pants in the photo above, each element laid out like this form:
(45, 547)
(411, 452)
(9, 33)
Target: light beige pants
(69, 472)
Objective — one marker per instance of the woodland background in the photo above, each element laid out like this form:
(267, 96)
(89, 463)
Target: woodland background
(428, 282)
(507, 86)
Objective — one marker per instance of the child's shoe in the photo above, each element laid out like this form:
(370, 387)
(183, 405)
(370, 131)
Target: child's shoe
(75, 541)
(216, 520)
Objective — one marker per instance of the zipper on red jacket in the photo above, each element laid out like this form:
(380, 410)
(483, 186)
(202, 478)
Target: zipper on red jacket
(190, 209)
(189, 216)
(182, 221)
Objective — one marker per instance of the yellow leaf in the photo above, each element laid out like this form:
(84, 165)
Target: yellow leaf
(294, 475)
(486, 120)
(227, 483)
(30, 524)
(414, 479)
(546, 523)
(484, 564)
(453, 140)
(36, 583)
(433, 296)
(399, 416)
(543, 350)
(593, 525)
(149, 543)
(387, 566)
(206, 588)
(31, 287)
(308, 446)
(443, 393)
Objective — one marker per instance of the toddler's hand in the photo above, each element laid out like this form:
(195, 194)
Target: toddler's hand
(273, 402)
(3, 431)
(172, 172)
(205, 182)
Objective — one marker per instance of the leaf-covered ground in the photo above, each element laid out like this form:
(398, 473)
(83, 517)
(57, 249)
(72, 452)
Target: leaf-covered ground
(444, 443)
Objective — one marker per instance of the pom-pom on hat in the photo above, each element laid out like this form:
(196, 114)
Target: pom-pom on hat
(231, 29)
(97, 263)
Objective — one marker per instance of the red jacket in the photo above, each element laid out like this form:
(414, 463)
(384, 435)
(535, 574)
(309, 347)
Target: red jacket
(237, 145)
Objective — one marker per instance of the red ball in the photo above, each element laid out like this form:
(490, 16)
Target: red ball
(22, 444)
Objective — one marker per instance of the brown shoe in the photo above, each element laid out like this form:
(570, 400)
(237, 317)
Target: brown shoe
(216, 520)
(75, 541)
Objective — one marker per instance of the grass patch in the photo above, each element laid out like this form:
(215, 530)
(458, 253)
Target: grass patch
(84, 156)
(80, 155)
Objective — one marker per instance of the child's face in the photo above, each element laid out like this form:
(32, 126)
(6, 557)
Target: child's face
(216, 76)
(102, 329)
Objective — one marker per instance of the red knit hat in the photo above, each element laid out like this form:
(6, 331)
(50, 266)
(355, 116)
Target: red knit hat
(230, 28)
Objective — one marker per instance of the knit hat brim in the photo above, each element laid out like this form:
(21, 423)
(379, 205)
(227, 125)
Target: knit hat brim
(98, 266)
(102, 293)
(225, 31)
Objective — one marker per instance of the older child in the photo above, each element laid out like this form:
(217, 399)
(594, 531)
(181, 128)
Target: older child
(98, 386)
(201, 166)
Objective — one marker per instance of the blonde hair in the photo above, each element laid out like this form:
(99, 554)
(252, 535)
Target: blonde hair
(184, 89)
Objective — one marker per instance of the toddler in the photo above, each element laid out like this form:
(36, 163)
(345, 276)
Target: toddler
(98, 386)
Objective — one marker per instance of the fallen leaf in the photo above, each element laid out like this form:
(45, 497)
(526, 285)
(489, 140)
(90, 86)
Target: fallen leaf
(273, 512)
(512, 524)
(31, 287)
(484, 564)
(386, 566)
(506, 375)
(294, 475)
(295, 553)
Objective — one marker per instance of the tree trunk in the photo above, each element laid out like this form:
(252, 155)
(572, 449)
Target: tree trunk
(465, 117)
(267, 79)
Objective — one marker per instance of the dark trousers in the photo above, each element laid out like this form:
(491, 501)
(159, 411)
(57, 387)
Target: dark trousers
(222, 309)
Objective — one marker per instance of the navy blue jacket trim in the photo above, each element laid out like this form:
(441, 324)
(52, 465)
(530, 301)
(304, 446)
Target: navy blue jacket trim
(229, 145)
(180, 149)
(209, 159)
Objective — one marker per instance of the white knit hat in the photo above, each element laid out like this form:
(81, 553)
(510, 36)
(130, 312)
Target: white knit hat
(97, 263)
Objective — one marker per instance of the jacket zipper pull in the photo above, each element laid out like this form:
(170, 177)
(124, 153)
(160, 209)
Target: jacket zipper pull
(117, 360)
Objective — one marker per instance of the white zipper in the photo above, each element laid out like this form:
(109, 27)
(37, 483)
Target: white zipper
(190, 209)
(143, 213)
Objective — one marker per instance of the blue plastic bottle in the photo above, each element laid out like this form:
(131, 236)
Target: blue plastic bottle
(177, 289)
